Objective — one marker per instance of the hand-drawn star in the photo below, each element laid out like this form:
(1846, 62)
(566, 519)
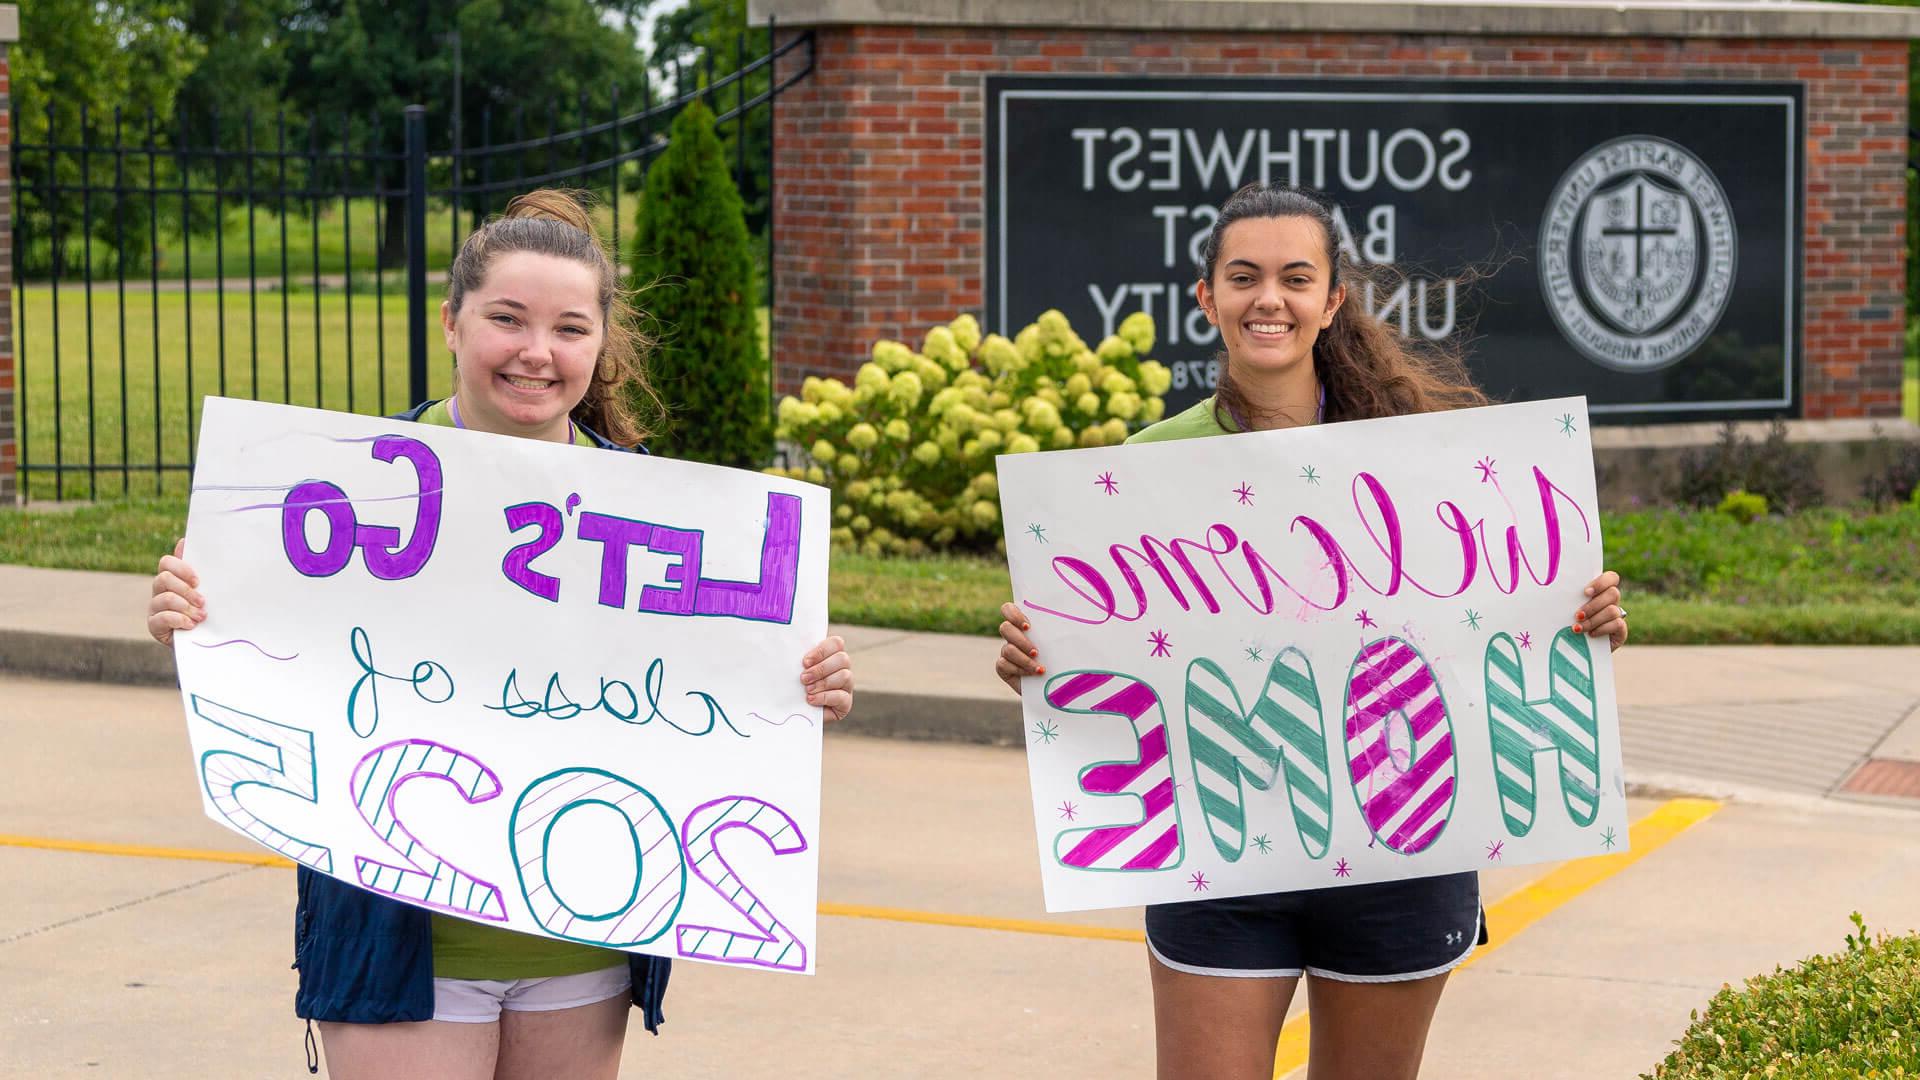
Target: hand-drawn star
(1161, 647)
(1039, 532)
(1608, 838)
(1309, 475)
(1487, 471)
(1253, 654)
(1265, 845)
(1341, 869)
(1526, 640)
(1067, 810)
(1046, 731)
(1245, 493)
(1495, 849)
(1566, 425)
(1365, 620)
(1199, 881)
(1107, 481)
(1472, 619)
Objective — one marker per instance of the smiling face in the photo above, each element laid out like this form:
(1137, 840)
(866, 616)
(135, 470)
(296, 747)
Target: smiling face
(1271, 294)
(525, 342)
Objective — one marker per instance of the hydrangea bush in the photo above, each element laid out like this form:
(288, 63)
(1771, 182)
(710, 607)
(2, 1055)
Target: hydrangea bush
(908, 449)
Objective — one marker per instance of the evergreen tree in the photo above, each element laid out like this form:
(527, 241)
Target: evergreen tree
(695, 263)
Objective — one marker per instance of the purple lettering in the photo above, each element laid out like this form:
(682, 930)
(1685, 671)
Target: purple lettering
(331, 502)
(771, 598)
(518, 564)
(616, 534)
(677, 599)
(384, 557)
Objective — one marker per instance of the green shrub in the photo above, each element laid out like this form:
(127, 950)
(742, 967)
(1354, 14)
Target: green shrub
(908, 448)
(696, 264)
(1743, 506)
(1846, 1015)
(1898, 480)
(1783, 473)
(1815, 556)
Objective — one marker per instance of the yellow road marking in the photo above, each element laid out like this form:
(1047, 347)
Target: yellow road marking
(978, 922)
(1532, 902)
(140, 851)
(849, 911)
(1505, 919)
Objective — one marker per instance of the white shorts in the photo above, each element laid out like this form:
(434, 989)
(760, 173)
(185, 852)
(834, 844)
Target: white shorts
(479, 1001)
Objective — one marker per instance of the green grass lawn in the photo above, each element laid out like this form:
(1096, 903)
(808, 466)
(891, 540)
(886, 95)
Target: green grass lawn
(297, 350)
(341, 237)
(1820, 577)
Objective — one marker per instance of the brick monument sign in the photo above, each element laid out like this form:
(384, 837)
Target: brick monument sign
(1683, 211)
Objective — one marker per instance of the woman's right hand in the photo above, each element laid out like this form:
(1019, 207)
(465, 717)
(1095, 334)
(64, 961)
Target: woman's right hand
(177, 603)
(1017, 657)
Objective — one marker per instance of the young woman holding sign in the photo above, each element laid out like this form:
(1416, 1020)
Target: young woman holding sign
(1224, 971)
(543, 344)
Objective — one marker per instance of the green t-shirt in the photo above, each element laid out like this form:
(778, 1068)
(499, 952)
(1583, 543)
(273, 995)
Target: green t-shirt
(1195, 423)
(471, 950)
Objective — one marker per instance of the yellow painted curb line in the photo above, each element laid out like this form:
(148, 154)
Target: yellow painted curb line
(850, 911)
(1532, 902)
(1017, 926)
(138, 851)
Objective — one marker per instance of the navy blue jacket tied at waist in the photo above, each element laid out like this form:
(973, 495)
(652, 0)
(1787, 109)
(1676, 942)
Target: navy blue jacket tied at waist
(365, 959)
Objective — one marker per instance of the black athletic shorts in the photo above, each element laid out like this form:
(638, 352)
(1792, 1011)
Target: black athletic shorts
(1386, 932)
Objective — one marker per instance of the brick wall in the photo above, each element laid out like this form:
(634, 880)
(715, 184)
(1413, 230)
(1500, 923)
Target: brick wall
(881, 196)
(9, 451)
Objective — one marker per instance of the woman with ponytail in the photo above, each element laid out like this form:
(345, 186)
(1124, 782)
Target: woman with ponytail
(1300, 349)
(544, 347)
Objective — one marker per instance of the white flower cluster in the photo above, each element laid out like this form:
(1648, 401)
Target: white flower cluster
(908, 448)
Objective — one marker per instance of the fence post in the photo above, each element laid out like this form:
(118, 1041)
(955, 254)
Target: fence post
(10, 487)
(416, 254)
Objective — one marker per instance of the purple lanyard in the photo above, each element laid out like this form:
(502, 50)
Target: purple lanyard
(453, 410)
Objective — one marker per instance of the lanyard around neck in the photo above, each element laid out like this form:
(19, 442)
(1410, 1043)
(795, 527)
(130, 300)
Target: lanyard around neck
(453, 410)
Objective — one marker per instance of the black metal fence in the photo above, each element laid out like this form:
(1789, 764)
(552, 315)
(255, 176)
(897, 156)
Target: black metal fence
(137, 293)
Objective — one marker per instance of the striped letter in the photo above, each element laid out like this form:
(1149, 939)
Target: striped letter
(1399, 746)
(1564, 722)
(1151, 842)
(1230, 744)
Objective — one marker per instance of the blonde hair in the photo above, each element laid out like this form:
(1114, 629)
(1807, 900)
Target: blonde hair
(551, 221)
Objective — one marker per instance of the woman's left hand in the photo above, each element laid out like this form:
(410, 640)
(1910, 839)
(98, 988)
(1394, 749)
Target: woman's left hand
(828, 675)
(1602, 614)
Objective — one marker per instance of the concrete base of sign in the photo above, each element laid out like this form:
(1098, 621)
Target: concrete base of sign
(1636, 466)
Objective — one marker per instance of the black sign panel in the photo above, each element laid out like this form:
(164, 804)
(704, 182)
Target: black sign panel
(1638, 243)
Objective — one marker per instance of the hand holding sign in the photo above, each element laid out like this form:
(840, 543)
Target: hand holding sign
(1259, 657)
(402, 710)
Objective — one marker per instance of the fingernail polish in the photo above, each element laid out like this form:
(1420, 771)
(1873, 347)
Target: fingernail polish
(1026, 626)
(1040, 671)
(1033, 652)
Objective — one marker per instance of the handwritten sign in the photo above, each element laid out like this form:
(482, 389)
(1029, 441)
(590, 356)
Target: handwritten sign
(536, 686)
(1314, 657)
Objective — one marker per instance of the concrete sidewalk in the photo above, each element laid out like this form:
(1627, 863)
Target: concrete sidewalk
(1805, 721)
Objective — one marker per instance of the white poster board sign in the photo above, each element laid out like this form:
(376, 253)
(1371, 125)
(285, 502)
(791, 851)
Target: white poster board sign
(537, 686)
(1314, 657)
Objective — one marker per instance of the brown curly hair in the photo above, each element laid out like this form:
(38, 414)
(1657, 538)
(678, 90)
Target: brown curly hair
(1365, 368)
(551, 221)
